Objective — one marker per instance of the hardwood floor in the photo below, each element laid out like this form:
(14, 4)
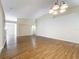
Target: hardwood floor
(40, 48)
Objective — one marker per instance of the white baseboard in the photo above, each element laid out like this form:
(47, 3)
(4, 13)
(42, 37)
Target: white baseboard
(59, 39)
(22, 35)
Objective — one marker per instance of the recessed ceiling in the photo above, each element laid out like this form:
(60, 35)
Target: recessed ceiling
(30, 8)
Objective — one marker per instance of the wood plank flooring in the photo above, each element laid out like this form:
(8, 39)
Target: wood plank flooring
(44, 48)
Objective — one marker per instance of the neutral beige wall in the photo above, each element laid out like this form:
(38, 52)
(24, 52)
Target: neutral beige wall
(65, 27)
(2, 20)
(24, 27)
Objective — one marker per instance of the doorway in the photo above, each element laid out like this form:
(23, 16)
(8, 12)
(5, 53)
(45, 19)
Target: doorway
(11, 32)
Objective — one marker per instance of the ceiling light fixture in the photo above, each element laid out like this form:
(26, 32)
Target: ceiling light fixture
(59, 7)
(62, 10)
(55, 13)
(64, 5)
(56, 6)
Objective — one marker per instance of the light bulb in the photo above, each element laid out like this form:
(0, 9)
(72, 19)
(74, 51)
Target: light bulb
(55, 7)
(64, 6)
(62, 10)
(55, 13)
(51, 11)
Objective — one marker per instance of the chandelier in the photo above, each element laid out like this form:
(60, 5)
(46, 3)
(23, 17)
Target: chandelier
(58, 8)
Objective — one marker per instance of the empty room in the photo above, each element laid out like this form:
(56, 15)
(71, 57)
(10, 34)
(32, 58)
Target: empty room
(39, 29)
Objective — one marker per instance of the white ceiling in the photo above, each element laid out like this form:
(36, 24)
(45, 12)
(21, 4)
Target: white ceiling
(30, 8)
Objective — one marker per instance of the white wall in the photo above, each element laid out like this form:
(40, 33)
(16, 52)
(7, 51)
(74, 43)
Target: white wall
(64, 27)
(24, 27)
(2, 20)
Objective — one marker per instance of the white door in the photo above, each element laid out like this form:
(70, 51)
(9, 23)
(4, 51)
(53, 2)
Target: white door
(10, 32)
